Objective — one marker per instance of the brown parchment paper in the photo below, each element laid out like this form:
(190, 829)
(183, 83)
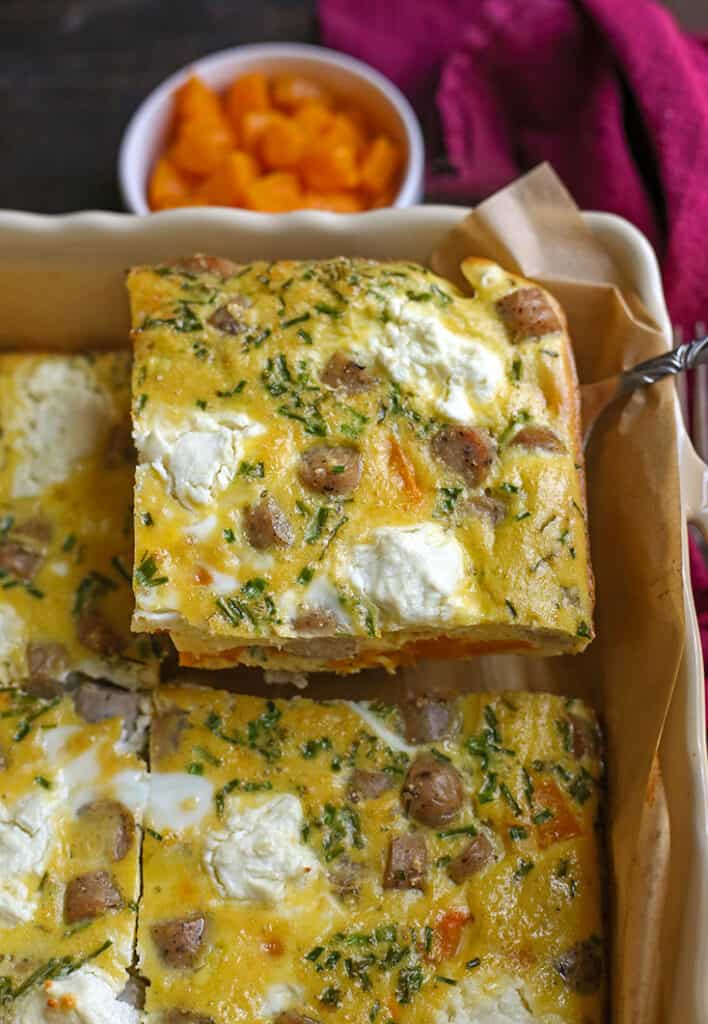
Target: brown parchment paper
(628, 673)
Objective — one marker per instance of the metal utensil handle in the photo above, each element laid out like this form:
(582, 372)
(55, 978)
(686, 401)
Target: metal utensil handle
(684, 357)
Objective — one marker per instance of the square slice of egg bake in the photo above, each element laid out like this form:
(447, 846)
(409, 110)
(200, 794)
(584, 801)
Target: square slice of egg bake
(349, 463)
(437, 863)
(66, 534)
(72, 794)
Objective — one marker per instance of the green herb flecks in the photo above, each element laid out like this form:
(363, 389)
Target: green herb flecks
(446, 501)
(252, 470)
(235, 390)
(146, 572)
(185, 321)
(91, 587)
(253, 606)
(241, 786)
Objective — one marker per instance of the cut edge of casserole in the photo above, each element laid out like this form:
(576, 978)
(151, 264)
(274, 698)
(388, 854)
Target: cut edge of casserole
(345, 464)
(66, 486)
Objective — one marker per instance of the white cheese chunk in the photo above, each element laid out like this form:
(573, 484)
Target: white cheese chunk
(199, 461)
(260, 850)
(498, 1002)
(61, 419)
(392, 739)
(441, 366)
(13, 641)
(177, 801)
(411, 572)
(85, 997)
(25, 844)
(280, 997)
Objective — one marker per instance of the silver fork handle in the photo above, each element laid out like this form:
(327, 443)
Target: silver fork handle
(684, 357)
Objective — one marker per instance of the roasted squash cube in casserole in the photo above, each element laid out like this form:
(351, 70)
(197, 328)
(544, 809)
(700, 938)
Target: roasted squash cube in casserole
(66, 483)
(434, 864)
(72, 799)
(349, 463)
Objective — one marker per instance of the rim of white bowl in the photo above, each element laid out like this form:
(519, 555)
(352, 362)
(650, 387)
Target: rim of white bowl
(410, 192)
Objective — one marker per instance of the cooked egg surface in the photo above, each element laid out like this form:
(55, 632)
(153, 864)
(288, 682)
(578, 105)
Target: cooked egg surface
(331, 877)
(363, 429)
(69, 855)
(66, 482)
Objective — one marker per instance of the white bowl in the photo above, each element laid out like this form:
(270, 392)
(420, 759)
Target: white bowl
(386, 106)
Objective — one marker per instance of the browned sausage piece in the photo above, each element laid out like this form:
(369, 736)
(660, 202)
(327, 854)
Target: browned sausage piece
(224, 320)
(317, 621)
(581, 967)
(185, 1017)
(119, 445)
(36, 529)
(466, 451)
(491, 510)
(267, 525)
(432, 792)
(96, 702)
(323, 648)
(19, 561)
(47, 665)
(291, 1017)
(584, 736)
(180, 940)
(368, 785)
(112, 823)
(527, 314)
(426, 719)
(345, 876)
(165, 732)
(97, 634)
(90, 895)
(201, 264)
(407, 863)
(475, 856)
(343, 372)
(537, 437)
(330, 469)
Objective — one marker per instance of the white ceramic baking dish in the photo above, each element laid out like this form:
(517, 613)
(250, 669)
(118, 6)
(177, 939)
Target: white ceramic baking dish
(85, 254)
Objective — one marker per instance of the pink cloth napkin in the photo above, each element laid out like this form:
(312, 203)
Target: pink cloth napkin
(611, 92)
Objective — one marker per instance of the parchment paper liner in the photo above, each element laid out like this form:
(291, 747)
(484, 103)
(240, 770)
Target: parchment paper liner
(628, 673)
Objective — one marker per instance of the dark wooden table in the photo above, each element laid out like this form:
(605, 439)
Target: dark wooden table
(73, 71)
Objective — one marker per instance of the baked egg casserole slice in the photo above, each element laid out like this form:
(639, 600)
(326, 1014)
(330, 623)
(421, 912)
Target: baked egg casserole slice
(437, 863)
(72, 792)
(66, 489)
(349, 463)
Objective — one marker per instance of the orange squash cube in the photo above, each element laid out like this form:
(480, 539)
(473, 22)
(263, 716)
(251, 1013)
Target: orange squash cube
(313, 119)
(246, 95)
(168, 187)
(342, 131)
(292, 91)
(277, 192)
(282, 143)
(380, 164)
(337, 202)
(253, 126)
(227, 185)
(201, 146)
(330, 168)
(195, 101)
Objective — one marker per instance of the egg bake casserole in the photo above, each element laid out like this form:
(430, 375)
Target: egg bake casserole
(437, 863)
(349, 463)
(66, 534)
